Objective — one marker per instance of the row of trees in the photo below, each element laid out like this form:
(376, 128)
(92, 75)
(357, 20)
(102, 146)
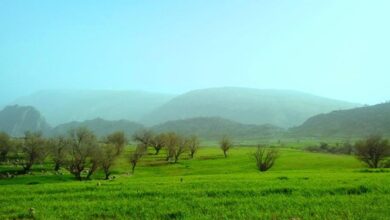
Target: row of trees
(80, 152)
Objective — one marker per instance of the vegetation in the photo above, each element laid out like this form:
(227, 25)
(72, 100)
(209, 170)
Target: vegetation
(265, 158)
(300, 185)
(373, 151)
(355, 122)
(225, 144)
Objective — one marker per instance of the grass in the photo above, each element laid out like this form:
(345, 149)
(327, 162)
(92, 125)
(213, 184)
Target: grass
(301, 185)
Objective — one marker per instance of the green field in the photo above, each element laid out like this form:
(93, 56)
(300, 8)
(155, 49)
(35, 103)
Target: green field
(301, 185)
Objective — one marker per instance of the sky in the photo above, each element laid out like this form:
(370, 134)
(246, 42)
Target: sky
(333, 48)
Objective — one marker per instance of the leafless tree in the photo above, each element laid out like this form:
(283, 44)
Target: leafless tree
(82, 143)
(172, 143)
(193, 145)
(143, 137)
(136, 156)
(118, 139)
(225, 144)
(158, 142)
(58, 151)
(33, 150)
(181, 147)
(372, 150)
(265, 158)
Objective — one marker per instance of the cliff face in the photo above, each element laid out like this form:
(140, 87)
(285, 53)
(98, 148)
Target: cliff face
(15, 120)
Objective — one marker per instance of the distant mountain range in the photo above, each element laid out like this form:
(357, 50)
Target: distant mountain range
(213, 128)
(63, 106)
(209, 113)
(356, 122)
(250, 106)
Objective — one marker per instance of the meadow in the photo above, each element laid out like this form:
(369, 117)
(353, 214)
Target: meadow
(301, 185)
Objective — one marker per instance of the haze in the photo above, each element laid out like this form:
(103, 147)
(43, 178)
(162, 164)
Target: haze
(337, 49)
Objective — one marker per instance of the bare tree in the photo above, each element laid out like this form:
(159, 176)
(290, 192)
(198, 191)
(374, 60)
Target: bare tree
(158, 142)
(5, 146)
(181, 147)
(372, 150)
(33, 150)
(109, 155)
(136, 156)
(81, 151)
(265, 158)
(225, 144)
(193, 145)
(176, 146)
(58, 151)
(143, 137)
(118, 139)
(172, 143)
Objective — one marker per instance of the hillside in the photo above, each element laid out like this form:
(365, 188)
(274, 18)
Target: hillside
(213, 128)
(348, 123)
(100, 127)
(62, 106)
(250, 106)
(15, 120)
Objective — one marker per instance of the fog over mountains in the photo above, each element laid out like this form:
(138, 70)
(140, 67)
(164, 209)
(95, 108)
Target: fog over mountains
(250, 106)
(209, 113)
(63, 106)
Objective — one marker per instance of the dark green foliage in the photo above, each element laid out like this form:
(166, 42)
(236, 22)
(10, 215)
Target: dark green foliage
(345, 148)
(5, 146)
(373, 151)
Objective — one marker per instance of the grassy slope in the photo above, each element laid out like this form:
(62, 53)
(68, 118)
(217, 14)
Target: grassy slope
(301, 185)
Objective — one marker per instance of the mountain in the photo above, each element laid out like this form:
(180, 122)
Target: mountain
(62, 106)
(15, 120)
(356, 122)
(250, 106)
(215, 128)
(100, 127)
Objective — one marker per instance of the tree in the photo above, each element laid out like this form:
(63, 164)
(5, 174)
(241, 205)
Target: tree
(33, 150)
(81, 151)
(176, 146)
(5, 146)
(143, 137)
(172, 143)
(265, 158)
(372, 150)
(193, 145)
(158, 142)
(136, 156)
(181, 147)
(225, 144)
(58, 151)
(118, 139)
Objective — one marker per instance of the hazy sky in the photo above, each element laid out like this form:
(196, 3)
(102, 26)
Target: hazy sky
(333, 48)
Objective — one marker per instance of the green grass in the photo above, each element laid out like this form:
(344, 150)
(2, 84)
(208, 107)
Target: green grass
(301, 185)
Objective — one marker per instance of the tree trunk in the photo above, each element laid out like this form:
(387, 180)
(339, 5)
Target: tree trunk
(224, 153)
(157, 151)
(57, 167)
(133, 168)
